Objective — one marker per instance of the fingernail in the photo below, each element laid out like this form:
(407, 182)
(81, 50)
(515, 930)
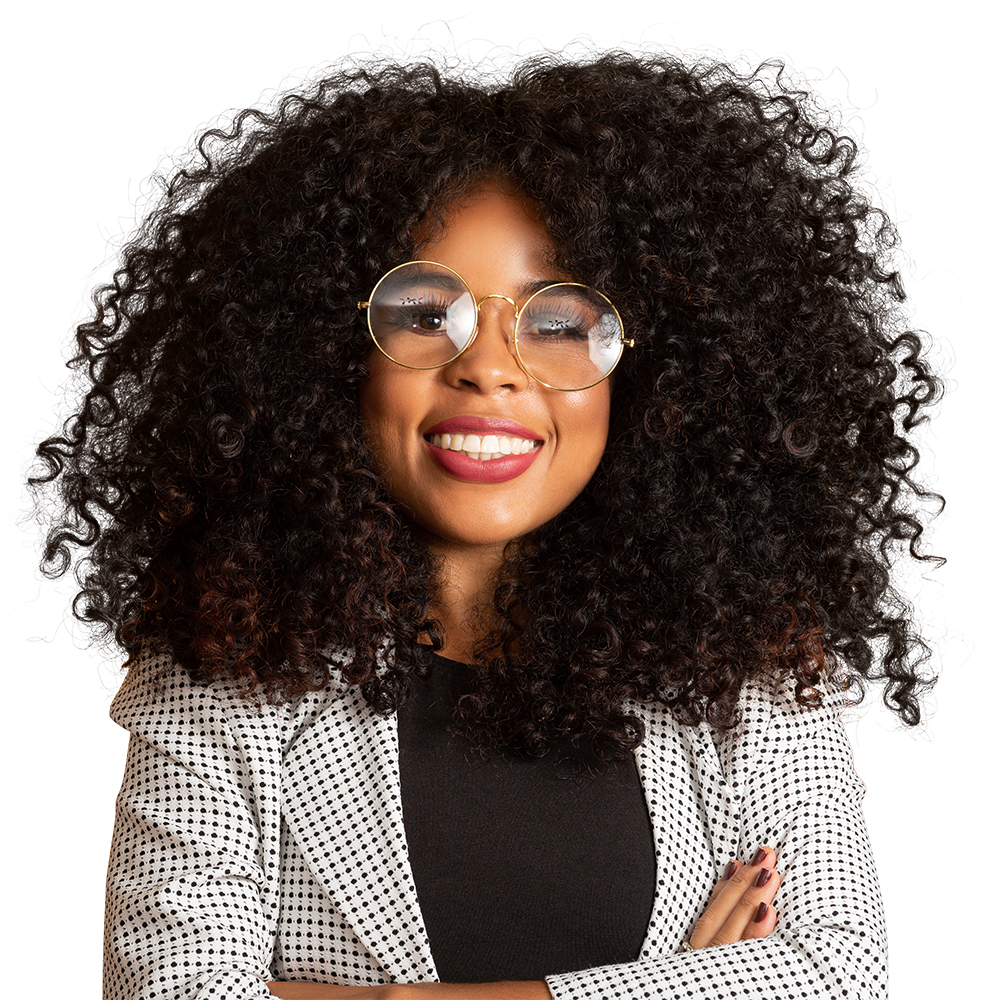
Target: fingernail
(759, 857)
(730, 871)
(763, 878)
(759, 916)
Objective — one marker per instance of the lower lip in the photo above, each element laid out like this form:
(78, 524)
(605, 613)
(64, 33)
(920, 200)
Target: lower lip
(493, 470)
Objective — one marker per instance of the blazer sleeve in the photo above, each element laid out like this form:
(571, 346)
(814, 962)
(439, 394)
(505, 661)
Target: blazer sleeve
(792, 770)
(192, 895)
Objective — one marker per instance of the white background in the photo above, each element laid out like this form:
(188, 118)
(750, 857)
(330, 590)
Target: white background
(97, 96)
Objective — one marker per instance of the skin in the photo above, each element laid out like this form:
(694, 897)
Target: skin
(495, 240)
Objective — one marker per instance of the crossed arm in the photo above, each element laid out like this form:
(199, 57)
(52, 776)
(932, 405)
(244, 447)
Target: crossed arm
(739, 910)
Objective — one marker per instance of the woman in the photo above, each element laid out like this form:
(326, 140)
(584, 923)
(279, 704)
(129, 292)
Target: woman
(497, 489)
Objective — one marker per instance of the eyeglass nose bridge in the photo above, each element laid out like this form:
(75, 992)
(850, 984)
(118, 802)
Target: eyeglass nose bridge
(511, 342)
(497, 295)
(504, 298)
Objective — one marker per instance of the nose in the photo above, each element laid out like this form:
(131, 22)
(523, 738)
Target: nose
(490, 362)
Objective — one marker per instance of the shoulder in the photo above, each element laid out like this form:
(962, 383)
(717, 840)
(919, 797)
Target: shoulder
(770, 725)
(160, 703)
(786, 750)
(766, 708)
(769, 710)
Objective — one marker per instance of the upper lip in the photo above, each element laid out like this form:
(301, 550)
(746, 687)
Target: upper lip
(480, 425)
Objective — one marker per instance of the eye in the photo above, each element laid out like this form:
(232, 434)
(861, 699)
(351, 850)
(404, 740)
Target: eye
(554, 325)
(559, 326)
(422, 315)
(428, 322)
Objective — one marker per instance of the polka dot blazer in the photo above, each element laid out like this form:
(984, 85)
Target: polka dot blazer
(257, 844)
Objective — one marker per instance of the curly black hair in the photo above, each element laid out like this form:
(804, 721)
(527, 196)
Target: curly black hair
(220, 501)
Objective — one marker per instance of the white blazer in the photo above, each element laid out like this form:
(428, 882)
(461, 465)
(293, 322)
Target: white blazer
(257, 844)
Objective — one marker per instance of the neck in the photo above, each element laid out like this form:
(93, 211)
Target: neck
(466, 580)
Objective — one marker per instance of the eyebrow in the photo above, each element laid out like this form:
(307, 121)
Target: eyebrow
(436, 279)
(530, 287)
(430, 279)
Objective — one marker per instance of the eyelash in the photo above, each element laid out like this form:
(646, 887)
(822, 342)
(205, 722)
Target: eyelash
(403, 316)
(571, 325)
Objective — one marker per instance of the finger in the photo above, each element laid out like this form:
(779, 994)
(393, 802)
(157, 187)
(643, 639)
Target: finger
(764, 920)
(766, 857)
(763, 889)
(731, 869)
(729, 894)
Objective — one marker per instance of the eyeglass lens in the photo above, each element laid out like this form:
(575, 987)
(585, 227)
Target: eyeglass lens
(422, 315)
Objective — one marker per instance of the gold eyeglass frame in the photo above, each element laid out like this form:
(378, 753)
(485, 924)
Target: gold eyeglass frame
(517, 317)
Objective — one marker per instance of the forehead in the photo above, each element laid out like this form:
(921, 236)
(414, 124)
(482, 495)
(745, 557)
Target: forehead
(494, 237)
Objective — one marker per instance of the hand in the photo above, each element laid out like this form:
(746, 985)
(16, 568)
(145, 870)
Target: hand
(740, 906)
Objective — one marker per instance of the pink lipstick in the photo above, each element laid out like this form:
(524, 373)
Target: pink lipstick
(474, 470)
(483, 425)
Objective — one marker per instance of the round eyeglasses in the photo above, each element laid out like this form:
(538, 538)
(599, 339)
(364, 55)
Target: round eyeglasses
(566, 336)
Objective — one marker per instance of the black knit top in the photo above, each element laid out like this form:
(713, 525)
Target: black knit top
(523, 867)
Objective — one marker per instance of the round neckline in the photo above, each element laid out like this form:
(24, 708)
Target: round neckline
(429, 651)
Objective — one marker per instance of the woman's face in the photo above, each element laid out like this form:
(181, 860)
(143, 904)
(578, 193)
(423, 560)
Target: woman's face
(496, 242)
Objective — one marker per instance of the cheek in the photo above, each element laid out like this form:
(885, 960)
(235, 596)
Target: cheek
(588, 420)
(584, 436)
(368, 410)
(380, 419)
(382, 396)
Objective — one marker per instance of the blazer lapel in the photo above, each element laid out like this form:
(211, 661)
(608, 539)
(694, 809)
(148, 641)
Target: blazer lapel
(342, 805)
(693, 834)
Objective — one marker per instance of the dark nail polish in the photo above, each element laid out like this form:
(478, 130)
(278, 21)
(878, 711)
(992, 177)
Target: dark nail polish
(761, 914)
(729, 872)
(759, 857)
(763, 878)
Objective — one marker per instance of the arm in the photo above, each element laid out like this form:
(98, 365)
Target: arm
(414, 991)
(189, 903)
(738, 910)
(793, 771)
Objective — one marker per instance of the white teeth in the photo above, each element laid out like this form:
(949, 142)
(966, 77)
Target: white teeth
(485, 448)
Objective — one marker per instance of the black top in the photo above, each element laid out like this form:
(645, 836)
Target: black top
(523, 867)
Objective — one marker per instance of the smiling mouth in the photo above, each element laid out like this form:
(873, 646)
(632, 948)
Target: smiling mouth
(484, 447)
